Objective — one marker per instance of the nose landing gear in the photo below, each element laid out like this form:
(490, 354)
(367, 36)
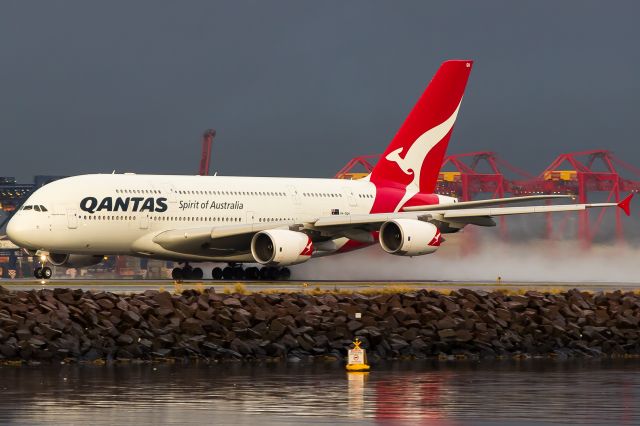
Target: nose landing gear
(42, 272)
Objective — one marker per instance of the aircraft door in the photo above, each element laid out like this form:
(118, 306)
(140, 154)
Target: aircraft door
(294, 194)
(144, 220)
(251, 218)
(72, 218)
(351, 198)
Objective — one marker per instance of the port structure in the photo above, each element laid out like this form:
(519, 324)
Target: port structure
(582, 174)
(483, 174)
(205, 156)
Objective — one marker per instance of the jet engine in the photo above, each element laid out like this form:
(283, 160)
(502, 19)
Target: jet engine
(409, 237)
(73, 260)
(281, 247)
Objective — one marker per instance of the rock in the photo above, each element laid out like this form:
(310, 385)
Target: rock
(192, 326)
(106, 304)
(23, 334)
(463, 335)
(446, 322)
(131, 317)
(65, 296)
(162, 352)
(164, 300)
(446, 333)
(450, 306)
(289, 341)
(354, 325)
(232, 301)
(240, 347)
(398, 344)
(37, 341)
(124, 339)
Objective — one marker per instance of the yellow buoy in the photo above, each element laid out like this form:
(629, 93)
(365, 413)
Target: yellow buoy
(357, 360)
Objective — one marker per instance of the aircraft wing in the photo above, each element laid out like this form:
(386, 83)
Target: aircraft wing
(235, 239)
(463, 216)
(216, 240)
(484, 203)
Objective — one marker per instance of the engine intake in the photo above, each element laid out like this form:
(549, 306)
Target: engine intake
(281, 247)
(74, 260)
(409, 237)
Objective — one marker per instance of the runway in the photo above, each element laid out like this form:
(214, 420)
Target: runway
(138, 286)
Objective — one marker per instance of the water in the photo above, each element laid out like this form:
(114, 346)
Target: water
(425, 392)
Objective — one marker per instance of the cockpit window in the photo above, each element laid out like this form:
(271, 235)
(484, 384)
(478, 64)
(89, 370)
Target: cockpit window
(36, 208)
(43, 208)
(27, 207)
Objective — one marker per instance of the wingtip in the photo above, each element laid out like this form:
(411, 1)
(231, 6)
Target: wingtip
(625, 204)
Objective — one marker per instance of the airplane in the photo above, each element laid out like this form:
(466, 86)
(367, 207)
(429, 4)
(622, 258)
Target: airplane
(271, 222)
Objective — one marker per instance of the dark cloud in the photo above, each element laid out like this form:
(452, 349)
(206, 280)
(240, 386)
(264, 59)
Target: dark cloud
(299, 87)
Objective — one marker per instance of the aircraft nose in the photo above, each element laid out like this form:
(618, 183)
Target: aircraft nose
(17, 231)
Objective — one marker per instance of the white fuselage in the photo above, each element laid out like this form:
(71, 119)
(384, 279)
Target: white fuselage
(121, 213)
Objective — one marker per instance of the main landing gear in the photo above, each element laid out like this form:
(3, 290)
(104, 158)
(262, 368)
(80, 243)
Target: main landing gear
(233, 272)
(42, 272)
(237, 272)
(187, 273)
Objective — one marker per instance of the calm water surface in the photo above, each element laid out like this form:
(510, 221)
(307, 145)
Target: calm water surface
(506, 392)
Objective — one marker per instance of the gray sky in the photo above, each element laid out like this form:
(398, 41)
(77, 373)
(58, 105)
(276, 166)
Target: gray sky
(296, 88)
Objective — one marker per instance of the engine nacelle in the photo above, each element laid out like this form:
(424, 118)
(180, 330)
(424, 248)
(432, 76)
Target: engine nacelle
(409, 237)
(74, 260)
(281, 247)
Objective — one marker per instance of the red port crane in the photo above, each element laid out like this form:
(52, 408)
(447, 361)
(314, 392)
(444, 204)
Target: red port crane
(582, 177)
(207, 141)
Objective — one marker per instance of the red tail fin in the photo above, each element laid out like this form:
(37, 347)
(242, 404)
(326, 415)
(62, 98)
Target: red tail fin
(414, 157)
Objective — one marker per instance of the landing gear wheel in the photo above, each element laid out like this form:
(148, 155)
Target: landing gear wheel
(46, 273)
(227, 273)
(252, 273)
(267, 273)
(186, 271)
(196, 274)
(38, 272)
(238, 273)
(285, 273)
(177, 274)
(216, 273)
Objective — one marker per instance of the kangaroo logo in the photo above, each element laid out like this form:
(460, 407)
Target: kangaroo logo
(308, 250)
(411, 163)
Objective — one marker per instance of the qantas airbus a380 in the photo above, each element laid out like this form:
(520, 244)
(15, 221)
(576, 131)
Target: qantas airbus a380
(273, 222)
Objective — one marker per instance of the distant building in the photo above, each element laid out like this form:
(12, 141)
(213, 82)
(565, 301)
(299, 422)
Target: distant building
(13, 194)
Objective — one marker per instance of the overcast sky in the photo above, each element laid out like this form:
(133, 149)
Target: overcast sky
(297, 88)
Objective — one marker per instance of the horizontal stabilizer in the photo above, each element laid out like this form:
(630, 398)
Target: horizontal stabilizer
(625, 204)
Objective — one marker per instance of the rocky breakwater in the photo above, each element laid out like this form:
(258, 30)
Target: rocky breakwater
(87, 326)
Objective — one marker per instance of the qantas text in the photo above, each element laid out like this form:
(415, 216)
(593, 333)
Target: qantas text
(132, 204)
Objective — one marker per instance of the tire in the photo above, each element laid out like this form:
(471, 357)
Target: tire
(284, 273)
(46, 273)
(252, 273)
(238, 274)
(227, 273)
(266, 273)
(176, 274)
(38, 273)
(216, 273)
(196, 274)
